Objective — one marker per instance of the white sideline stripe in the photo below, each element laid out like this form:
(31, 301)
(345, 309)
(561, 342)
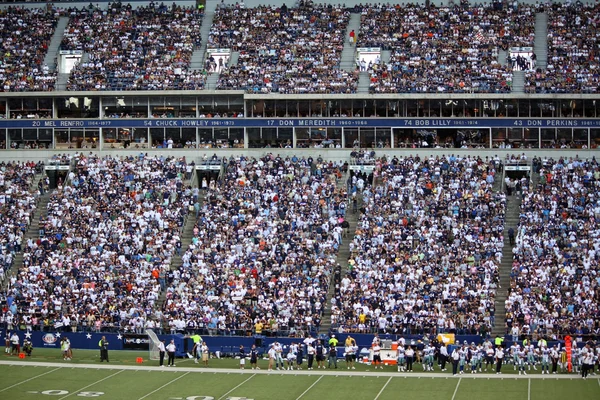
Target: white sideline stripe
(528, 389)
(222, 397)
(90, 385)
(383, 388)
(200, 370)
(163, 386)
(310, 387)
(456, 390)
(30, 379)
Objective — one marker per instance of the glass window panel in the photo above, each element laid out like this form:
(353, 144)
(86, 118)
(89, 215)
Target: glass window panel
(45, 134)
(304, 108)
(285, 134)
(351, 138)
(591, 108)
(76, 137)
(254, 137)
(91, 138)
(383, 137)
(302, 137)
(269, 108)
(15, 103)
(206, 136)
(499, 137)
(61, 139)
(564, 137)
(512, 108)
(173, 135)
(346, 108)
(473, 108)
(221, 133)
(15, 134)
(334, 136)
(580, 138)
(531, 136)
(30, 134)
(280, 109)
(548, 137)
(236, 137)
(157, 135)
(292, 108)
(367, 137)
(595, 138)
(188, 136)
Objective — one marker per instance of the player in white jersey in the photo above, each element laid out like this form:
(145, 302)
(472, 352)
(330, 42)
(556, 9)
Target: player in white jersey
(463, 353)
(291, 359)
(522, 354)
(530, 350)
(555, 357)
(576, 359)
(545, 357)
(428, 358)
(401, 358)
(279, 355)
(489, 358)
(514, 352)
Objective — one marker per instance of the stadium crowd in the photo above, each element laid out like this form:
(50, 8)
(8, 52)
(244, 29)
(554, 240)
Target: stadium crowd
(451, 49)
(262, 252)
(554, 280)
(427, 248)
(443, 49)
(18, 201)
(573, 60)
(24, 36)
(146, 48)
(284, 50)
(101, 246)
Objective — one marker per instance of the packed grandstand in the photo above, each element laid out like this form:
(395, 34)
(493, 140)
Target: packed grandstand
(297, 48)
(297, 244)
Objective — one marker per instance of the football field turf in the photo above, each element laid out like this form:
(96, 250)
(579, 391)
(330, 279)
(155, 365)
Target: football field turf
(45, 376)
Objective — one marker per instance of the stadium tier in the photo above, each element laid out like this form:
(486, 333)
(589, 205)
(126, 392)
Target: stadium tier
(297, 169)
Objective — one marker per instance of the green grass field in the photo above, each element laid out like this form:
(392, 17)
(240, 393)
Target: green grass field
(46, 376)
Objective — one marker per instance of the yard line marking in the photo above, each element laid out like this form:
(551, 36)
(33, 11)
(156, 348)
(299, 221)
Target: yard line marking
(165, 385)
(310, 387)
(222, 397)
(528, 389)
(27, 380)
(456, 390)
(92, 384)
(383, 388)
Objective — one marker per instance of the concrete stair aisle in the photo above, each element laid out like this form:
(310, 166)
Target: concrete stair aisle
(197, 61)
(342, 260)
(211, 81)
(233, 59)
(187, 233)
(364, 82)
(540, 44)
(511, 220)
(502, 55)
(33, 230)
(348, 56)
(61, 81)
(518, 83)
(54, 46)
